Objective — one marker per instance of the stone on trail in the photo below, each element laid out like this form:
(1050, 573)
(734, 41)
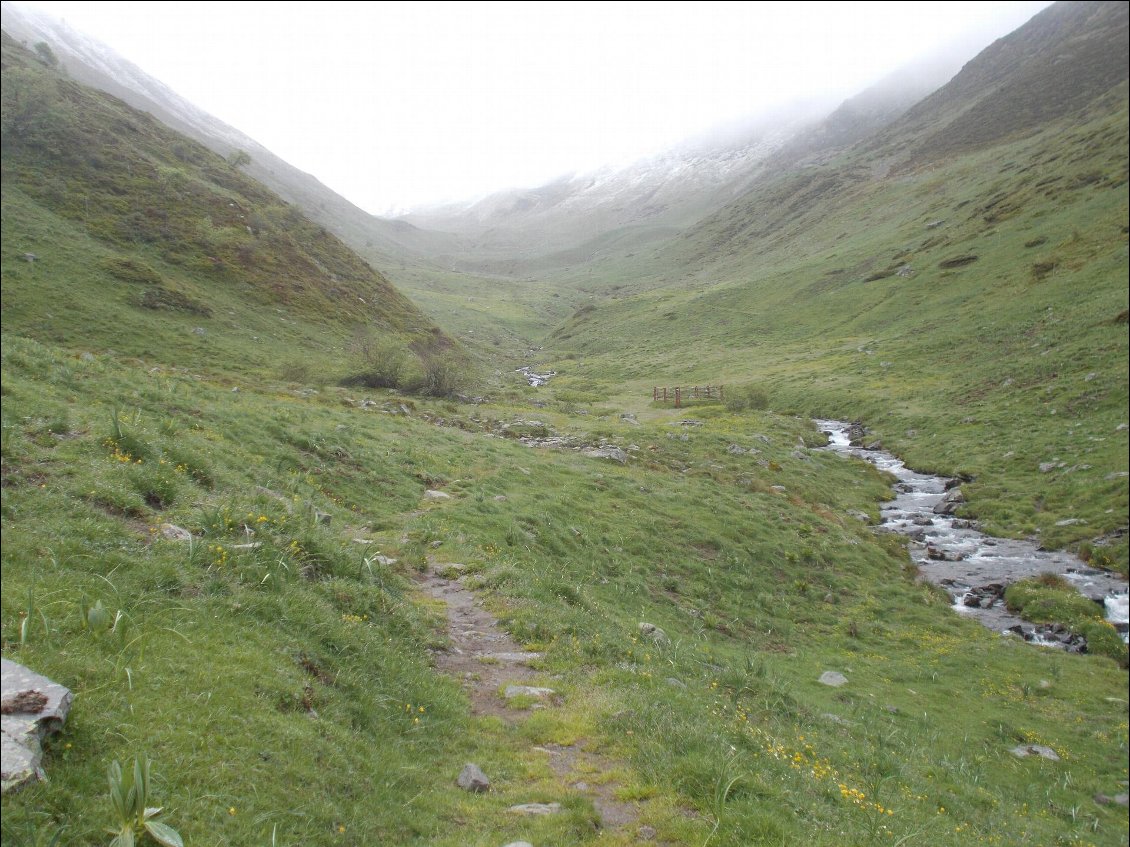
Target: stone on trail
(833, 678)
(513, 691)
(473, 779)
(31, 707)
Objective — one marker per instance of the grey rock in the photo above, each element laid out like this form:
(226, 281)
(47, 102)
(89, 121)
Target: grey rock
(675, 683)
(516, 657)
(518, 844)
(199, 330)
(323, 518)
(736, 450)
(833, 678)
(1070, 522)
(1048, 467)
(948, 504)
(431, 494)
(33, 706)
(905, 271)
(650, 630)
(615, 454)
(473, 779)
(449, 570)
(538, 693)
(646, 833)
(30, 257)
(172, 532)
(535, 809)
(87, 357)
(1023, 751)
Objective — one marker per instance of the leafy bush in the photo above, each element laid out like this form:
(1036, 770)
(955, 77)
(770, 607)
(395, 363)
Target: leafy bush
(743, 398)
(383, 362)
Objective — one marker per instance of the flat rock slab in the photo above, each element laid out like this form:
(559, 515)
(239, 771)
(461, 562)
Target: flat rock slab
(535, 809)
(512, 691)
(1026, 750)
(431, 494)
(833, 678)
(32, 706)
(521, 657)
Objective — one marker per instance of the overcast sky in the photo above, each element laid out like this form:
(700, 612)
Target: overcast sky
(400, 104)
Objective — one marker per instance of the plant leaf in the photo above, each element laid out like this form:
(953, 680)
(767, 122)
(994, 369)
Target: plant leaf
(164, 834)
(114, 778)
(153, 811)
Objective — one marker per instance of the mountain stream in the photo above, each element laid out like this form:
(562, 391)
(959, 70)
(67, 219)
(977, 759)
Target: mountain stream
(974, 567)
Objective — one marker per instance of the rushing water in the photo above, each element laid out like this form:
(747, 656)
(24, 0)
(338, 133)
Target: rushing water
(535, 379)
(975, 567)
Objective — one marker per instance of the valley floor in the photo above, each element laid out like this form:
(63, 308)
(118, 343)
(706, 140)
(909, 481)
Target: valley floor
(319, 663)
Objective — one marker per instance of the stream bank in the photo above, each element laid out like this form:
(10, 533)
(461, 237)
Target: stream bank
(973, 567)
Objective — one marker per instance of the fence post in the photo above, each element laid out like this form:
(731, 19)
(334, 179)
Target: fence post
(654, 394)
(678, 398)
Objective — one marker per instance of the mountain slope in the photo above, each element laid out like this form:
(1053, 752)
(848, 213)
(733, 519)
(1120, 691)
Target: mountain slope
(385, 243)
(107, 209)
(953, 305)
(1062, 59)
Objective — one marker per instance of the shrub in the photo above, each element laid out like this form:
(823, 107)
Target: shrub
(382, 362)
(744, 398)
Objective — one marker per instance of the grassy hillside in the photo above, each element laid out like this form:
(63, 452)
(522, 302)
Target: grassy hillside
(278, 672)
(121, 234)
(972, 312)
(231, 581)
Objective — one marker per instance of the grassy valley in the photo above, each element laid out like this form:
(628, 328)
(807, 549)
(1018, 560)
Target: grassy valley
(234, 582)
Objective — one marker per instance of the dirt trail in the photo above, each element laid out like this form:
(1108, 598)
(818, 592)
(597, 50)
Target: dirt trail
(486, 659)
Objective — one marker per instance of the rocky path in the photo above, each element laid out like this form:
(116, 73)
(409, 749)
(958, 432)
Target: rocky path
(497, 675)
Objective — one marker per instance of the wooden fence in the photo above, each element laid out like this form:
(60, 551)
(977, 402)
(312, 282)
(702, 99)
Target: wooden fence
(683, 394)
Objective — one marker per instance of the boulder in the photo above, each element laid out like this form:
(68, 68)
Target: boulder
(833, 678)
(32, 706)
(614, 454)
(431, 494)
(650, 630)
(948, 504)
(473, 779)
